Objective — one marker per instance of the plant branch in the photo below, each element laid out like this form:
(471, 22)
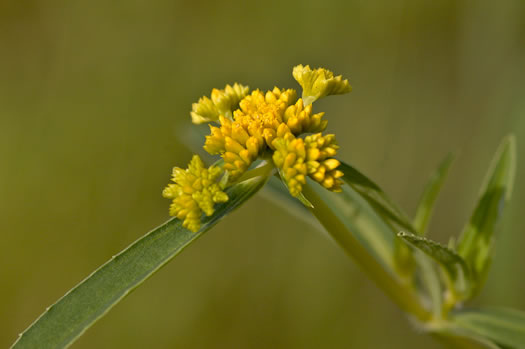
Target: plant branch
(399, 293)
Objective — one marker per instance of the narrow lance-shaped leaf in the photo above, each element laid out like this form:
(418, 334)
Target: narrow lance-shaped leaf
(421, 221)
(455, 267)
(404, 259)
(506, 327)
(475, 243)
(455, 337)
(375, 196)
(428, 199)
(74, 313)
(362, 185)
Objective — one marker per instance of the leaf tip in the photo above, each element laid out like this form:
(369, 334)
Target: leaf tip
(509, 148)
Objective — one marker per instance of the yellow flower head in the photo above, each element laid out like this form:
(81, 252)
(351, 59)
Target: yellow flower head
(300, 119)
(238, 145)
(319, 83)
(274, 101)
(222, 102)
(321, 165)
(254, 126)
(267, 125)
(195, 190)
(204, 111)
(289, 158)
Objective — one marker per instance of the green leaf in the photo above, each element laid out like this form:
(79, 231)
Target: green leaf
(376, 198)
(506, 327)
(406, 262)
(74, 313)
(426, 203)
(455, 267)
(475, 243)
(455, 337)
(355, 226)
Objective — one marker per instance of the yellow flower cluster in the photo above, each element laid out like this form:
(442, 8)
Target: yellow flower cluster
(321, 165)
(252, 130)
(313, 157)
(300, 119)
(289, 156)
(222, 102)
(259, 125)
(255, 125)
(195, 191)
(319, 83)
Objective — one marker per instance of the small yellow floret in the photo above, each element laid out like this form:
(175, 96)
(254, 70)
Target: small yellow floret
(274, 101)
(195, 191)
(237, 143)
(319, 83)
(300, 119)
(204, 111)
(222, 102)
(289, 157)
(321, 165)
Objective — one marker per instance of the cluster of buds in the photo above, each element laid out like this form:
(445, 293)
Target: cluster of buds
(259, 125)
(289, 157)
(195, 191)
(222, 102)
(321, 165)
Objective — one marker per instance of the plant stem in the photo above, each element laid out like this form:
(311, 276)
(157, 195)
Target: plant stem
(399, 293)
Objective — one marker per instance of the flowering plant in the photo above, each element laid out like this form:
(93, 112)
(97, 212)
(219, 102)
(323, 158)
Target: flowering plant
(262, 136)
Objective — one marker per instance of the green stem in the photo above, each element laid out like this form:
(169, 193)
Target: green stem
(399, 293)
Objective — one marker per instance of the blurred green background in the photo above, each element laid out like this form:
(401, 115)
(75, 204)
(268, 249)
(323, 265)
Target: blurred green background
(93, 95)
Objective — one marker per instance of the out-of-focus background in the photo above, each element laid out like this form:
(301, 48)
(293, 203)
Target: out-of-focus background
(93, 95)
